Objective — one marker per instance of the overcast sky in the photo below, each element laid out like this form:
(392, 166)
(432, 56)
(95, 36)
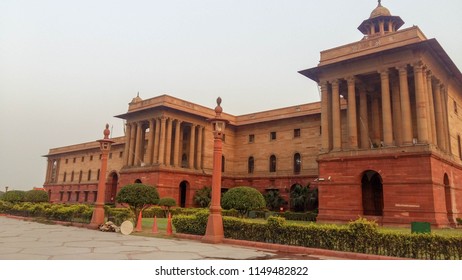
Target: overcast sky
(67, 67)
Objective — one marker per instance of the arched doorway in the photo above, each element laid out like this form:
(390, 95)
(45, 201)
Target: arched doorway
(138, 181)
(183, 193)
(372, 193)
(114, 183)
(447, 196)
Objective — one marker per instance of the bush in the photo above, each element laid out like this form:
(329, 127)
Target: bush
(274, 200)
(138, 197)
(36, 196)
(459, 221)
(14, 196)
(359, 236)
(194, 224)
(297, 216)
(243, 199)
(203, 197)
(119, 215)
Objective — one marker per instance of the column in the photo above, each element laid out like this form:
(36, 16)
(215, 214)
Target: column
(192, 144)
(431, 109)
(421, 106)
(150, 142)
(396, 107)
(155, 152)
(168, 151)
(352, 122)
(447, 136)
(163, 122)
(131, 151)
(127, 144)
(386, 109)
(325, 139)
(441, 141)
(363, 118)
(200, 130)
(176, 147)
(407, 130)
(336, 125)
(137, 159)
(375, 108)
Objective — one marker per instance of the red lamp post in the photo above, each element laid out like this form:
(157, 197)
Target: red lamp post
(214, 232)
(98, 213)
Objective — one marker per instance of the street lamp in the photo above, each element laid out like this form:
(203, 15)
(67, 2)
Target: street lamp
(214, 232)
(98, 213)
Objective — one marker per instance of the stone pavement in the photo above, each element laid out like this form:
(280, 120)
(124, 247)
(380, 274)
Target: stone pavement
(25, 240)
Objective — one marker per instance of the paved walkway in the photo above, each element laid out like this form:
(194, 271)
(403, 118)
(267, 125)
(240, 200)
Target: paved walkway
(24, 240)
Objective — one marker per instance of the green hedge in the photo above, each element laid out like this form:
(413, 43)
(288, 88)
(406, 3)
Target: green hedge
(360, 236)
(160, 213)
(62, 212)
(119, 215)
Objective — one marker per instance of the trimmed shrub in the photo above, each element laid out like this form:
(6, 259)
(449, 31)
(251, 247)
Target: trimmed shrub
(138, 197)
(14, 196)
(193, 224)
(243, 199)
(297, 216)
(166, 203)
(36, 196)
(119, 215)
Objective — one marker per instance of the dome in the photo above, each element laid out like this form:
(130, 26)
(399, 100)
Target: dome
(380, 11)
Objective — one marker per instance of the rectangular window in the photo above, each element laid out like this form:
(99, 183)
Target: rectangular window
(121, 154)
(455, 107)
(272, 135)
(100, 156)
(73, 160)
(67, 160)
(61, 196)
(91, 157)
(110, 155)
(95, 194)
(77, 196)
(69, 194)
(85, 196)
(83, 158)
(251, 138)
(297, 133)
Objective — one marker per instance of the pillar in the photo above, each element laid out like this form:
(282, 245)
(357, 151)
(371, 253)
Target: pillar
(447, 136)
(192, 144)
(200, 130)
(386, 109)
(336, 125)
(325, 139)
(168, 151)
(441, 141)
(431, 109)
(163, 122)
(421, 104)
(396, 107)
(138, 145)
(155, 152)
(176, 146)
(127, 144)
(363, 118)
(131, 151)
(406, 117)
(150, 142)
(352, 122)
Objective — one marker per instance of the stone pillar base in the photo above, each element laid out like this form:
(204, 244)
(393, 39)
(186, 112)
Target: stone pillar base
(214, 233)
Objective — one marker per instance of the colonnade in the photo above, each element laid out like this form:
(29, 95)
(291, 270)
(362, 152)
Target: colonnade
(398, 112)
(164, 141)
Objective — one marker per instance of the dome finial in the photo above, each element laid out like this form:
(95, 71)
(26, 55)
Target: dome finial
(380, 3)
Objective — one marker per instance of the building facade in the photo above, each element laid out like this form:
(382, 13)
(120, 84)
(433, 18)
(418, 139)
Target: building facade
(384, 142)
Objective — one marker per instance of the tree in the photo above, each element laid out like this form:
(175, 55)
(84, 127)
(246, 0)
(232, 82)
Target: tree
(203, 197)
(14, 196)
(36, 196)
(138, 197)
(274, 200)
(243, 199)
(167, 203)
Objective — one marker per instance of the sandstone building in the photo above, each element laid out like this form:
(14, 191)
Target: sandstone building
(384, 142)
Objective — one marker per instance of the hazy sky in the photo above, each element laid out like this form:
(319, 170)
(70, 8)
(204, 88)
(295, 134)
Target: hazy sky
(67, 67)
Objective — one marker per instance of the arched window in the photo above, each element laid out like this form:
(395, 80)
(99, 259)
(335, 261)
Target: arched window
(297, 163)
(272, 163)
(250, 164)
(222, 163)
